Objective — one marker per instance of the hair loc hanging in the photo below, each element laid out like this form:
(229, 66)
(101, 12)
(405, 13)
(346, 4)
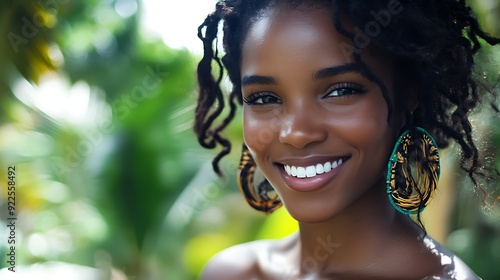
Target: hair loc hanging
(210, 99)
(208, 86)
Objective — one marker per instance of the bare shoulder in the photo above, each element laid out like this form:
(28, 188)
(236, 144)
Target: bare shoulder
(252, 260)
(236, 262)
(452, 267)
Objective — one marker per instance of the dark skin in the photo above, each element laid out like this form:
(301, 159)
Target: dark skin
(314, 107)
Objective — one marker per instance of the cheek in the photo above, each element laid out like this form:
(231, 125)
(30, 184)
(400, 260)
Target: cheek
(366, 127)
(259, 130)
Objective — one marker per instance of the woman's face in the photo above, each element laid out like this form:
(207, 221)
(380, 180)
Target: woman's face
(316, 127)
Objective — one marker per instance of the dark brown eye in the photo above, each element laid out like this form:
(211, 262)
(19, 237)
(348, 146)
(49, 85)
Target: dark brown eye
(262, 98)
(344, 89)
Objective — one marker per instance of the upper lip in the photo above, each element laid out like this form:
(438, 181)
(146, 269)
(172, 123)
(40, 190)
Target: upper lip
(310, 160)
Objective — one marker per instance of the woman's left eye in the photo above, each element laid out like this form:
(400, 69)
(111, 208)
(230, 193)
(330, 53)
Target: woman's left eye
(344, 90)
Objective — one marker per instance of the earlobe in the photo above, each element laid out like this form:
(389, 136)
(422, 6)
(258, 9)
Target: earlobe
(409, 89)
(413, 96)
(410, 105)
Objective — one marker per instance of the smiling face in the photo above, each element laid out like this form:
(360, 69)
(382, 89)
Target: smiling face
(316, 127)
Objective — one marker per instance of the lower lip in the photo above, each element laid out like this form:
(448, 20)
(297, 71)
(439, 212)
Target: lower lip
(310, 184)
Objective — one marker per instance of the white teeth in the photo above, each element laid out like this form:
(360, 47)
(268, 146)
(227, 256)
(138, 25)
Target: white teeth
(313, 170)
(320, 169)
(310, 171)
(301, 172)
(328, 167)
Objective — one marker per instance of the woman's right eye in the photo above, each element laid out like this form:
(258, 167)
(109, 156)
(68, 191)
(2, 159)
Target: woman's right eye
(262, 98)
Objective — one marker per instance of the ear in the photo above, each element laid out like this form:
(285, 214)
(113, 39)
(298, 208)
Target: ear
(408, 85)
(412, 99)
(409, 104)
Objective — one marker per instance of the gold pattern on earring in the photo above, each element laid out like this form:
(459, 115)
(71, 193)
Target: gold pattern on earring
(413, 172)
(258, 197)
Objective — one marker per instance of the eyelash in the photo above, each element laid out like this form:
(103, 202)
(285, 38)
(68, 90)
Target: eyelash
(353, 88)
(252, 99)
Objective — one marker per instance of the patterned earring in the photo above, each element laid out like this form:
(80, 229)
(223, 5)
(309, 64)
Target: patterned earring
(258, 197)
(415, 155)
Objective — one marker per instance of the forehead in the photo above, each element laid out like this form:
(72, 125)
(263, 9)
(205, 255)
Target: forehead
(302, 33)
(285, 38)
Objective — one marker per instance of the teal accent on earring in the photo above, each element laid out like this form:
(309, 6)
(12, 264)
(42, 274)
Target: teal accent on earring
(394, 160)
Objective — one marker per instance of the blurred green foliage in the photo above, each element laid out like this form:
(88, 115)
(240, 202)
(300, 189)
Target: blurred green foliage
(97, 119)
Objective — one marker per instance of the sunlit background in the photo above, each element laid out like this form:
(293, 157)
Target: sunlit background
(97, 111)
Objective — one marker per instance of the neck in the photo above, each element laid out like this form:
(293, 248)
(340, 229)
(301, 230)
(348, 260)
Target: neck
(355, 237)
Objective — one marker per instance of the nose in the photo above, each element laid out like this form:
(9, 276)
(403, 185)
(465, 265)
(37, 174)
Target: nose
(301, 128)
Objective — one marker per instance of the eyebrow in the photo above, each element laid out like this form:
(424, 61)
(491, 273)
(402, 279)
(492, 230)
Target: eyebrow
(337, 70)
(321, 74)
(257, 80)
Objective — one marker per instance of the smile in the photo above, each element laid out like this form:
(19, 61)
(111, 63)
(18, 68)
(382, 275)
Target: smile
(313, 175)
(312, 170)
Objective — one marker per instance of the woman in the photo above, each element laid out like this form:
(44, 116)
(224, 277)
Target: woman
(344, 106)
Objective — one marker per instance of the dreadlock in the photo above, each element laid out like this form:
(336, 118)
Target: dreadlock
(433, 44)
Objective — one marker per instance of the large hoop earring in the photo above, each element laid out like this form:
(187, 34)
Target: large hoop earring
(258, 197)
(415, 155)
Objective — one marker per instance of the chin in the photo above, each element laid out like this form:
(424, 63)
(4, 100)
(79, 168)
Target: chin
(313, 212)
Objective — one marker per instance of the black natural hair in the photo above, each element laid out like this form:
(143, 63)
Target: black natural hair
(432, 43)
